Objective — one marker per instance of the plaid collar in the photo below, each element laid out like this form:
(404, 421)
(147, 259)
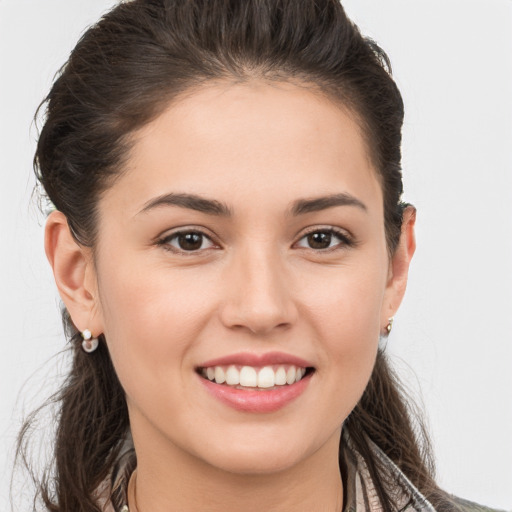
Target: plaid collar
(360, 492)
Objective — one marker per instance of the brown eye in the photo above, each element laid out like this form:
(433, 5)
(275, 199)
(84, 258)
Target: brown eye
(324, 239)
(187, 241)
(319, 240)
(190, 241)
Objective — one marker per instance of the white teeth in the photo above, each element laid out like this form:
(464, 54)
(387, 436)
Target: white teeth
(248, 377)
(220, 376)
(290, 375)
(266, 377)
(280, 379)
(232, 376)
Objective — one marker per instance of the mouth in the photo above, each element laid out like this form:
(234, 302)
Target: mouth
(256, 383)
(255, 378)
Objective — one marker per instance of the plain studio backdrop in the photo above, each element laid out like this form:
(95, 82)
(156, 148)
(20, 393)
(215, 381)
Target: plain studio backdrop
(452, 338)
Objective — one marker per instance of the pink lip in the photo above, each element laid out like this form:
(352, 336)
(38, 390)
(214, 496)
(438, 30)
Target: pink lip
(264, 401)
(249, 359)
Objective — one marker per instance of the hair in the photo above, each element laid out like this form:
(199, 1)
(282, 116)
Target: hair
(127, 68)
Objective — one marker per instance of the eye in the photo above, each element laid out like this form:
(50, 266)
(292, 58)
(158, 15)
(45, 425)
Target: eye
(187, 241)
(323, 239)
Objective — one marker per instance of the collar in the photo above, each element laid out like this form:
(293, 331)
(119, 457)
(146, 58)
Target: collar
(360, 492)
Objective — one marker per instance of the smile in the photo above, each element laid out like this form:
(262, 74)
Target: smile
(251, 377)
(256, 383)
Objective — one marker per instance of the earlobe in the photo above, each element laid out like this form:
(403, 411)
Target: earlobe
(400, 262)
(72, 269)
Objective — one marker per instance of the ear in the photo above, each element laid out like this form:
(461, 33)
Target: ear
(399, 266)
(73, 270)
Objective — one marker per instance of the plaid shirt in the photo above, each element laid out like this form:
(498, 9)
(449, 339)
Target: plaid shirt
(361, 495)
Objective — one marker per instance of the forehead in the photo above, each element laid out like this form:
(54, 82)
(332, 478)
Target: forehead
(238, 141)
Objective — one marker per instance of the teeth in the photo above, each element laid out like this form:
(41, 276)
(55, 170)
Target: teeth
(280, 376)
(232, 376)
(250, 377)
(220, 376)
(290, 375)
(266, 377)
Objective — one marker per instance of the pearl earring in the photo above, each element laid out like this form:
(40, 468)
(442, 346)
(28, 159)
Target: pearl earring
(89, 344)
(390, 325)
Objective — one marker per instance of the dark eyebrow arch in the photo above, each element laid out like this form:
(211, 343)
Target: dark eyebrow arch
(190, 201)
(316, 204)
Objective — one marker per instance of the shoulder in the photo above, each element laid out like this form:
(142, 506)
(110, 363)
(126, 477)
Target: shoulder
(469, 506)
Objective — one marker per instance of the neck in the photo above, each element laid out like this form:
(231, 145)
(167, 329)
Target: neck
(169, 479)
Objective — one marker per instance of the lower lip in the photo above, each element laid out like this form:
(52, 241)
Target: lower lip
(257, 401)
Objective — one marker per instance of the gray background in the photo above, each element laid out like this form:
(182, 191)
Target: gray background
(452, 338)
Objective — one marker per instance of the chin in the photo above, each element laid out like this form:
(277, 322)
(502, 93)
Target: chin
(257, 464)
(251, 456)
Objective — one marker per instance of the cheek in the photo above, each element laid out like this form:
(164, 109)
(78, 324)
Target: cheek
(349, 302)
(346, 314)
(152, 320)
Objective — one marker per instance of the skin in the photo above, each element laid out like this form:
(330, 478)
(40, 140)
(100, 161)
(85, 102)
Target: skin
(257, 286)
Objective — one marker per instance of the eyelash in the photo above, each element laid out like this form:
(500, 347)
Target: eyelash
(165, 241)
(346, 241)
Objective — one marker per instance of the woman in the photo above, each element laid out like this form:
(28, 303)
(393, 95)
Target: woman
(230, 246)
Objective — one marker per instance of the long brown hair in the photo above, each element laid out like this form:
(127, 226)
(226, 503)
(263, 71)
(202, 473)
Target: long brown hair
(124, 70)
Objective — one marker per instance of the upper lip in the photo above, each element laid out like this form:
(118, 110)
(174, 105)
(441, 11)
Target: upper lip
(251, 359)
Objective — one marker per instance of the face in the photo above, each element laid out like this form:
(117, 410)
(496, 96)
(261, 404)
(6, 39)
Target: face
(244, 241)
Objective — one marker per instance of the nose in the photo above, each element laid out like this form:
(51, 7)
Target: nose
(258, 295)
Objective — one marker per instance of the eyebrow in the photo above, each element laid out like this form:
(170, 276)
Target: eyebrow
(190, 201)
(316, 204)
(214, 207)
